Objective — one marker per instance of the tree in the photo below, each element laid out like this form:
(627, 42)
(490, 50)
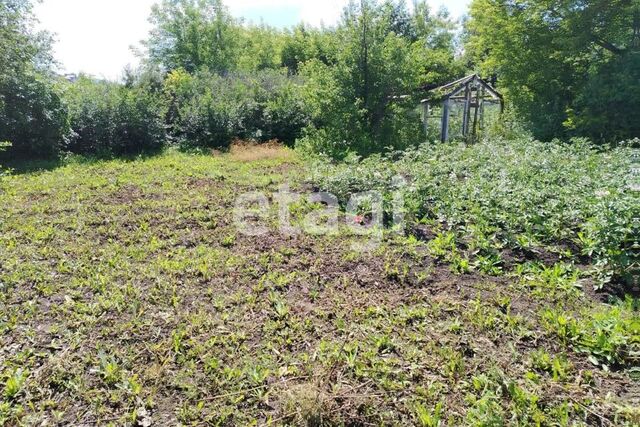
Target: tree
(608, 108)
(304, 43)
(260, 48)
(365, 101)
(437, 40)
(546, 52)
(32, 116)
(193, 34)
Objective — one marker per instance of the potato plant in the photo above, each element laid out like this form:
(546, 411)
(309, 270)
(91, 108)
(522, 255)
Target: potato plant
(534, 200)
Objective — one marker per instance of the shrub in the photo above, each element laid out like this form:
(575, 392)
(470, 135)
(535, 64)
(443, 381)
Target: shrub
(32, 115)
(285, 114)
(208, 110)
(111, 119)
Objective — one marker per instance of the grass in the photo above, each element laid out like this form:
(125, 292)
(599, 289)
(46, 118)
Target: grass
(128, 297)
(250, 152)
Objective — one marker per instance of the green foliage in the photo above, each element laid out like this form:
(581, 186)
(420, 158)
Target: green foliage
(358, 78)
(197, 35)
(364, 99)
(14, 384)
(429, 418)
(193, 34)
(207, 110)
(304, 43)
(260, 48)
(567, 66)
(604, 336)
(112, 119)
(608, 108)
(521, 194)
(32, 116)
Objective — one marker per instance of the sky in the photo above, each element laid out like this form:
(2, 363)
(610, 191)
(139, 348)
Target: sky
(96, 36)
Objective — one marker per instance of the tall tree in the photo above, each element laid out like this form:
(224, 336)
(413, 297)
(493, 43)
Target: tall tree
(193, 34)
(365, 100)
(547, 53)
(32, 116)
(20, 46)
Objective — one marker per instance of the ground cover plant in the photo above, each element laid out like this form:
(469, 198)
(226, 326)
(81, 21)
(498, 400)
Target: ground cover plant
(128, 297)
(499, 288)
(505, 200)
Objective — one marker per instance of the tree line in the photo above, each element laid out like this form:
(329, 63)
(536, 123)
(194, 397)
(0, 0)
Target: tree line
(567, 68)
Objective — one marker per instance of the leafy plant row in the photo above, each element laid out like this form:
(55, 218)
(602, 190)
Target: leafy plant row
(531, 198)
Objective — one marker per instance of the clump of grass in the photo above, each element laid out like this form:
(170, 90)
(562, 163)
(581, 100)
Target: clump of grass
(306, 405)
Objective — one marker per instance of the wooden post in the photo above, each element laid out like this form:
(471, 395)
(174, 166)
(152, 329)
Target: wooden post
(479, 98)
(482, 114)
(445, 121)
(467, 110)
(464, 111)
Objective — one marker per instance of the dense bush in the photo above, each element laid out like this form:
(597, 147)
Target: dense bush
(523, 195)
(32, 116)
(609, 105)
(112, 119)
(365, 101)
(208, 110)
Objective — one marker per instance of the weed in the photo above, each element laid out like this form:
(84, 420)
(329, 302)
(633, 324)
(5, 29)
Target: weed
(195, 325)
(14, 384)
(430, 418)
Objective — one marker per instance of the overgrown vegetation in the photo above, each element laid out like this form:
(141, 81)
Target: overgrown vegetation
(129, 297)
(225, 80)
(566, 66)
(207, 110)
(519, 198)
(567, 70)
(365, 100)
(111, 119)
(32, 115)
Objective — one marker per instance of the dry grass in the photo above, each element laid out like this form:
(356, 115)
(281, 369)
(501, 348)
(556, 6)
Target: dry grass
(244, 151)
(307, 405)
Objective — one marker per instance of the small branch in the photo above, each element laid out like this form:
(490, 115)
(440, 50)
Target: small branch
(608, 46)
